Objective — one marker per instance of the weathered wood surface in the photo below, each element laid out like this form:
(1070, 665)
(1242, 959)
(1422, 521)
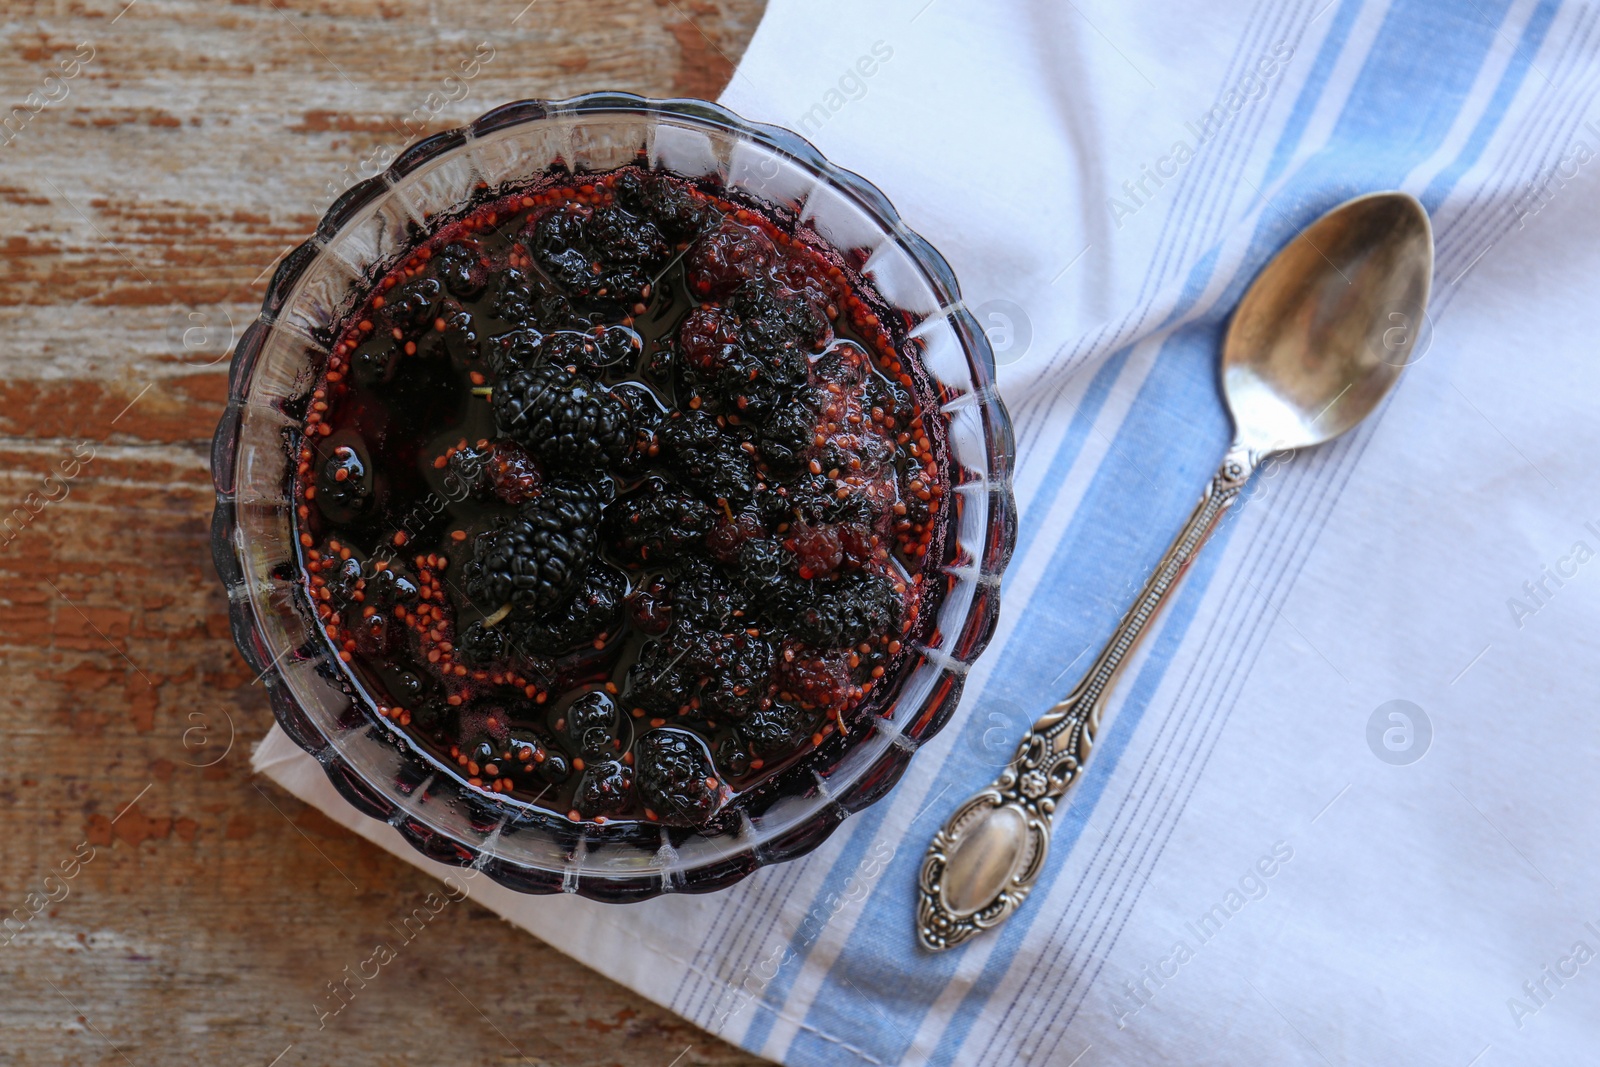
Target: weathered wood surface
(166, 157)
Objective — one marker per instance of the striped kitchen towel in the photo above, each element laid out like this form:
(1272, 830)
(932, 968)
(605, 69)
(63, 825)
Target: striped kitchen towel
(1338, 813)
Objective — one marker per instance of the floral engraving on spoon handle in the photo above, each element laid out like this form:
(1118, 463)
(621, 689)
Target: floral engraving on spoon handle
(984, 861)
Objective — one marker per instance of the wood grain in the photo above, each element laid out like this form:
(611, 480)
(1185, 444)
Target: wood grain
(156, 159)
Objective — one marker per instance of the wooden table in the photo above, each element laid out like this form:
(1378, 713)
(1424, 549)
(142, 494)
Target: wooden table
(169, 152)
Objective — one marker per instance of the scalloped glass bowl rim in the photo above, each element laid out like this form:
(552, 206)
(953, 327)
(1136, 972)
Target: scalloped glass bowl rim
(412, 796)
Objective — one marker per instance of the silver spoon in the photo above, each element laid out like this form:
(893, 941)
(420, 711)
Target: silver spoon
(1318, 340)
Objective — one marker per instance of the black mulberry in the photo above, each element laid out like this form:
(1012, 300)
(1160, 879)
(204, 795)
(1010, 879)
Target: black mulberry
(563, 418)
(815, 681)
(479, 646)
(416, 303)
(778, 730)
(619, 237)
(662, 680)
(559, 243)
(606, 253)
(677, 780)
(513, 351)
(591, 721)
(770, 321)
(615, 346)
(733, 756)
(655, 523)
(606, 788)
(677, 214)
(593, 612)
(530, 302)
(848, 610)
(890, 402)
(704, 597)
(766, 570)
(536, 560)
(461, 269)
(512, 474)
(737, 672)
(645, 414)
(725, 258)
(709, 457)
(744, 378)
(844, 365)
(571, 349)
(788, 431)
(815, 499)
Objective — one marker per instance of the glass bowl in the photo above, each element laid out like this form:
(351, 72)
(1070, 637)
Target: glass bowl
(275, 365)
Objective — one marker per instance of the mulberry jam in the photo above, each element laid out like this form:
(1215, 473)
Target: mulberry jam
(618, 496)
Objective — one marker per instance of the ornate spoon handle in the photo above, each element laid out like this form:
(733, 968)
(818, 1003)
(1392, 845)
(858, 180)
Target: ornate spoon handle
(984, 860)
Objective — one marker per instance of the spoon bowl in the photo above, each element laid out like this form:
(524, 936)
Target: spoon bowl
(1325, 329)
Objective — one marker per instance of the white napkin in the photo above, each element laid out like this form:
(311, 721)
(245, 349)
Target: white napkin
(1262, 864)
